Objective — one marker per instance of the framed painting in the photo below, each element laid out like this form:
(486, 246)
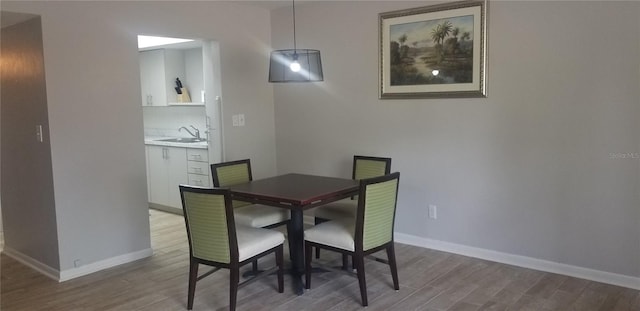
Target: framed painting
(434, 51)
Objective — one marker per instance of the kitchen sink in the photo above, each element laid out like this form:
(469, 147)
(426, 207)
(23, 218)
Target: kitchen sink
(183, 140)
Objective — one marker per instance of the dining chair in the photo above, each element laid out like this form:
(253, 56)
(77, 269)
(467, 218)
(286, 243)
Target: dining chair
(363, 167)
(215, 240)
(370, 231)
(252, 215)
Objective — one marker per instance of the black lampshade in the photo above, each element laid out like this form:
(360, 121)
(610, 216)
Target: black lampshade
(310, 66)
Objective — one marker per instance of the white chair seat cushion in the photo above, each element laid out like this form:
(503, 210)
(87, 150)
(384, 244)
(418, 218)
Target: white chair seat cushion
(337, 210)
(253, 241)
(335, 233)
(258, 216)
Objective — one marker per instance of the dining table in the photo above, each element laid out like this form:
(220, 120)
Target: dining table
(297, 193)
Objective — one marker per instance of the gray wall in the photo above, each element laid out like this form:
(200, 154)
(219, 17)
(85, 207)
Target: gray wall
(95, 117)
(28, 213)
(530, 170)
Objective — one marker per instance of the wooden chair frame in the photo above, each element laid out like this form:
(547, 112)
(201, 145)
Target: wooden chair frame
(234, 264)
(358, 254)
(215, 166)
(216, 183)
(356, 158)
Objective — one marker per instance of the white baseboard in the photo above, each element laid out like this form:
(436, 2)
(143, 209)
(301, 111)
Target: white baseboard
(72, 273)
(522, 261)
(32, 263)
(515, 260)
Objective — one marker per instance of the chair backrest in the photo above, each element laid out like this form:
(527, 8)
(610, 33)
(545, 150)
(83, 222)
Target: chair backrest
(208, 216)
(231, 173)
(376, 211)
(368, 167)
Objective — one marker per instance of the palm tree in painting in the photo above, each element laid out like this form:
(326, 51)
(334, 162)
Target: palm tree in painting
(438, 34)
(455, 32)
(404, 50)
(402, 39)
(445, 29)
(452, 45)
(465, 36)
(466, 48)
(441, 31)
(435, 35)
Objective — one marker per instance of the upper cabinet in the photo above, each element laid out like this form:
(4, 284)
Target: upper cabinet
(159, 70)
(151, 78)
(194, 74)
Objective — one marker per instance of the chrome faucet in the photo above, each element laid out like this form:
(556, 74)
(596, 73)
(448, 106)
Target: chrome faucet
(196, 130)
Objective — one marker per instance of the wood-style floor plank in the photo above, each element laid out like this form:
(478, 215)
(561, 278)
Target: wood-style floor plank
(429, 280)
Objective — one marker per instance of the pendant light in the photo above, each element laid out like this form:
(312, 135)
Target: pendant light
(295, 65)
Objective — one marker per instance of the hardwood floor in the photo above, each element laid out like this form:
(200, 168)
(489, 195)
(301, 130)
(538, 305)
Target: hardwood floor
(429, 280)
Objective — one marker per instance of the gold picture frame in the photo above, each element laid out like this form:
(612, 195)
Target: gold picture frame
(435, 51)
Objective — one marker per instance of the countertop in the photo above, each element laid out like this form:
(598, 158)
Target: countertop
(156, 141)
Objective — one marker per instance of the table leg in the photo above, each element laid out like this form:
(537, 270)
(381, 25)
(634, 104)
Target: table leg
(296, 248)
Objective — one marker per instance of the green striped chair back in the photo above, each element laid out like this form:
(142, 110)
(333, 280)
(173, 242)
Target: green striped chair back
(376, 209)
(369, 167)
(207, 221)
(232, 173)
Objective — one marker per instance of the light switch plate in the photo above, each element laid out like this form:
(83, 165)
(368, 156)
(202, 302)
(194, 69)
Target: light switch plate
(234, 120)
(39, 133)
(241, 120)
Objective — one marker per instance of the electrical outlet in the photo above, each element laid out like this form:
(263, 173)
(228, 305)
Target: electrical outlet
(433, 211)
(241, 120)
(77, 263)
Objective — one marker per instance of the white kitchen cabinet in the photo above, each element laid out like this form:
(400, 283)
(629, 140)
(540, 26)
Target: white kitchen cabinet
(152, 78)
(198, 167)
(197, 154)
(167, 170)
(194, 75)
(158, 72)
(199, 180)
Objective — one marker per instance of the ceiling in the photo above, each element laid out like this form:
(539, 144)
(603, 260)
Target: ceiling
(10, 18)
(176, 46)
(267, 4)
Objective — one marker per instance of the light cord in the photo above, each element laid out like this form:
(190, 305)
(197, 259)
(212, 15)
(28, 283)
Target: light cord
(294, 26)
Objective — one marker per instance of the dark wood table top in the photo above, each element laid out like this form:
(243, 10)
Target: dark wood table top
(297, 191)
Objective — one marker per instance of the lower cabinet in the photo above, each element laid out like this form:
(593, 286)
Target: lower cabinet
(198, 167)
(167, 168)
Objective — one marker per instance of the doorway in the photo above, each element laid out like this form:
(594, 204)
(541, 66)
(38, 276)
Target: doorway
(180, 96)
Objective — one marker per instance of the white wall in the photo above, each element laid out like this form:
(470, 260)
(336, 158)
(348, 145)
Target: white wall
(165, 121)
(526, 171)
(93, 91)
